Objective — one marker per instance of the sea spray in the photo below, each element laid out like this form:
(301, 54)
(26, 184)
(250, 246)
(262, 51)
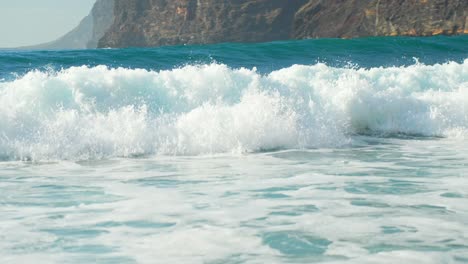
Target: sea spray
(97, 112)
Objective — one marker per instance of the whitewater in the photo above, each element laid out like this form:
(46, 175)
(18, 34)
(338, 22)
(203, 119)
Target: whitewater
(334, 151)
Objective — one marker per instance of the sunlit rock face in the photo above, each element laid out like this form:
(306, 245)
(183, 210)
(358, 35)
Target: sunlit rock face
(356, 18)
(175, 22)
(163, 22)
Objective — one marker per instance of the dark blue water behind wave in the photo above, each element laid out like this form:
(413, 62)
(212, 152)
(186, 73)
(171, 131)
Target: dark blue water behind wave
(364, 52)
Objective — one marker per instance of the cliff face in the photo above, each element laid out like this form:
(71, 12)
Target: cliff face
(170, 22)
(164, 22)
(357, 18)
(125, 23)
(88, 32)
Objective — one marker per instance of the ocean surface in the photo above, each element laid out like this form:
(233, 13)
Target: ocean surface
(315, 151)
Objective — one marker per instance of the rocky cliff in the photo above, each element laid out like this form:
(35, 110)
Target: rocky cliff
(357, 18)
(164, 22)
(88, 32)
(170, 22)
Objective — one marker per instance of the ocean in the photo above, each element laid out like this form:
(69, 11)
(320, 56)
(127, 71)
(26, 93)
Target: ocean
(313, 151)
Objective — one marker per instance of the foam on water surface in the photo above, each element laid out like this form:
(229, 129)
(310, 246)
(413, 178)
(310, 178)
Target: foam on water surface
(98, 112)
(373, 204)
(315, 151)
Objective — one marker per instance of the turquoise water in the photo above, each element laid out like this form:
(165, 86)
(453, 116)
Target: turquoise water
(333, 151)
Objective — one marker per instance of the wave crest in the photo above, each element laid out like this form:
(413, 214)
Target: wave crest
(96, 112)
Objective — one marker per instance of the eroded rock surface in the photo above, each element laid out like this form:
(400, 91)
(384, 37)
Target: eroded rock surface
(164, 22)
(357, 18)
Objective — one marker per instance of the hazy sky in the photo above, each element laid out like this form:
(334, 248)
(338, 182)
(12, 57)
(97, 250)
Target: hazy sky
(28, 22)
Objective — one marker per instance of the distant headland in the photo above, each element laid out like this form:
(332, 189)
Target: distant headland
(149, 23)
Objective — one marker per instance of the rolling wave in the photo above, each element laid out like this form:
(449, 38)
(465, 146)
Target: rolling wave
(99, 112)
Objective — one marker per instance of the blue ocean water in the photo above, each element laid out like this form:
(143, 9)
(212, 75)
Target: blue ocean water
(334, 151)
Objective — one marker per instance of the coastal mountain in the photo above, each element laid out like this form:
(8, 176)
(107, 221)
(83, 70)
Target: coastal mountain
(163, 22)
(88, 32)
(143, 23)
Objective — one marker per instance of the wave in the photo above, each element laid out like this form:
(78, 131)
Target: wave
(99, 112)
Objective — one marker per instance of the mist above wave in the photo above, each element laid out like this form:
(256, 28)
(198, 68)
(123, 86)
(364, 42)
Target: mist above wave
(95, 112)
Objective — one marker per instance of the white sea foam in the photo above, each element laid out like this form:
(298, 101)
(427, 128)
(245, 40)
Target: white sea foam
(85, 113)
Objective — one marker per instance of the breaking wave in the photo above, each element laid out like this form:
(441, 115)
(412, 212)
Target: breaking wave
(98, 112)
